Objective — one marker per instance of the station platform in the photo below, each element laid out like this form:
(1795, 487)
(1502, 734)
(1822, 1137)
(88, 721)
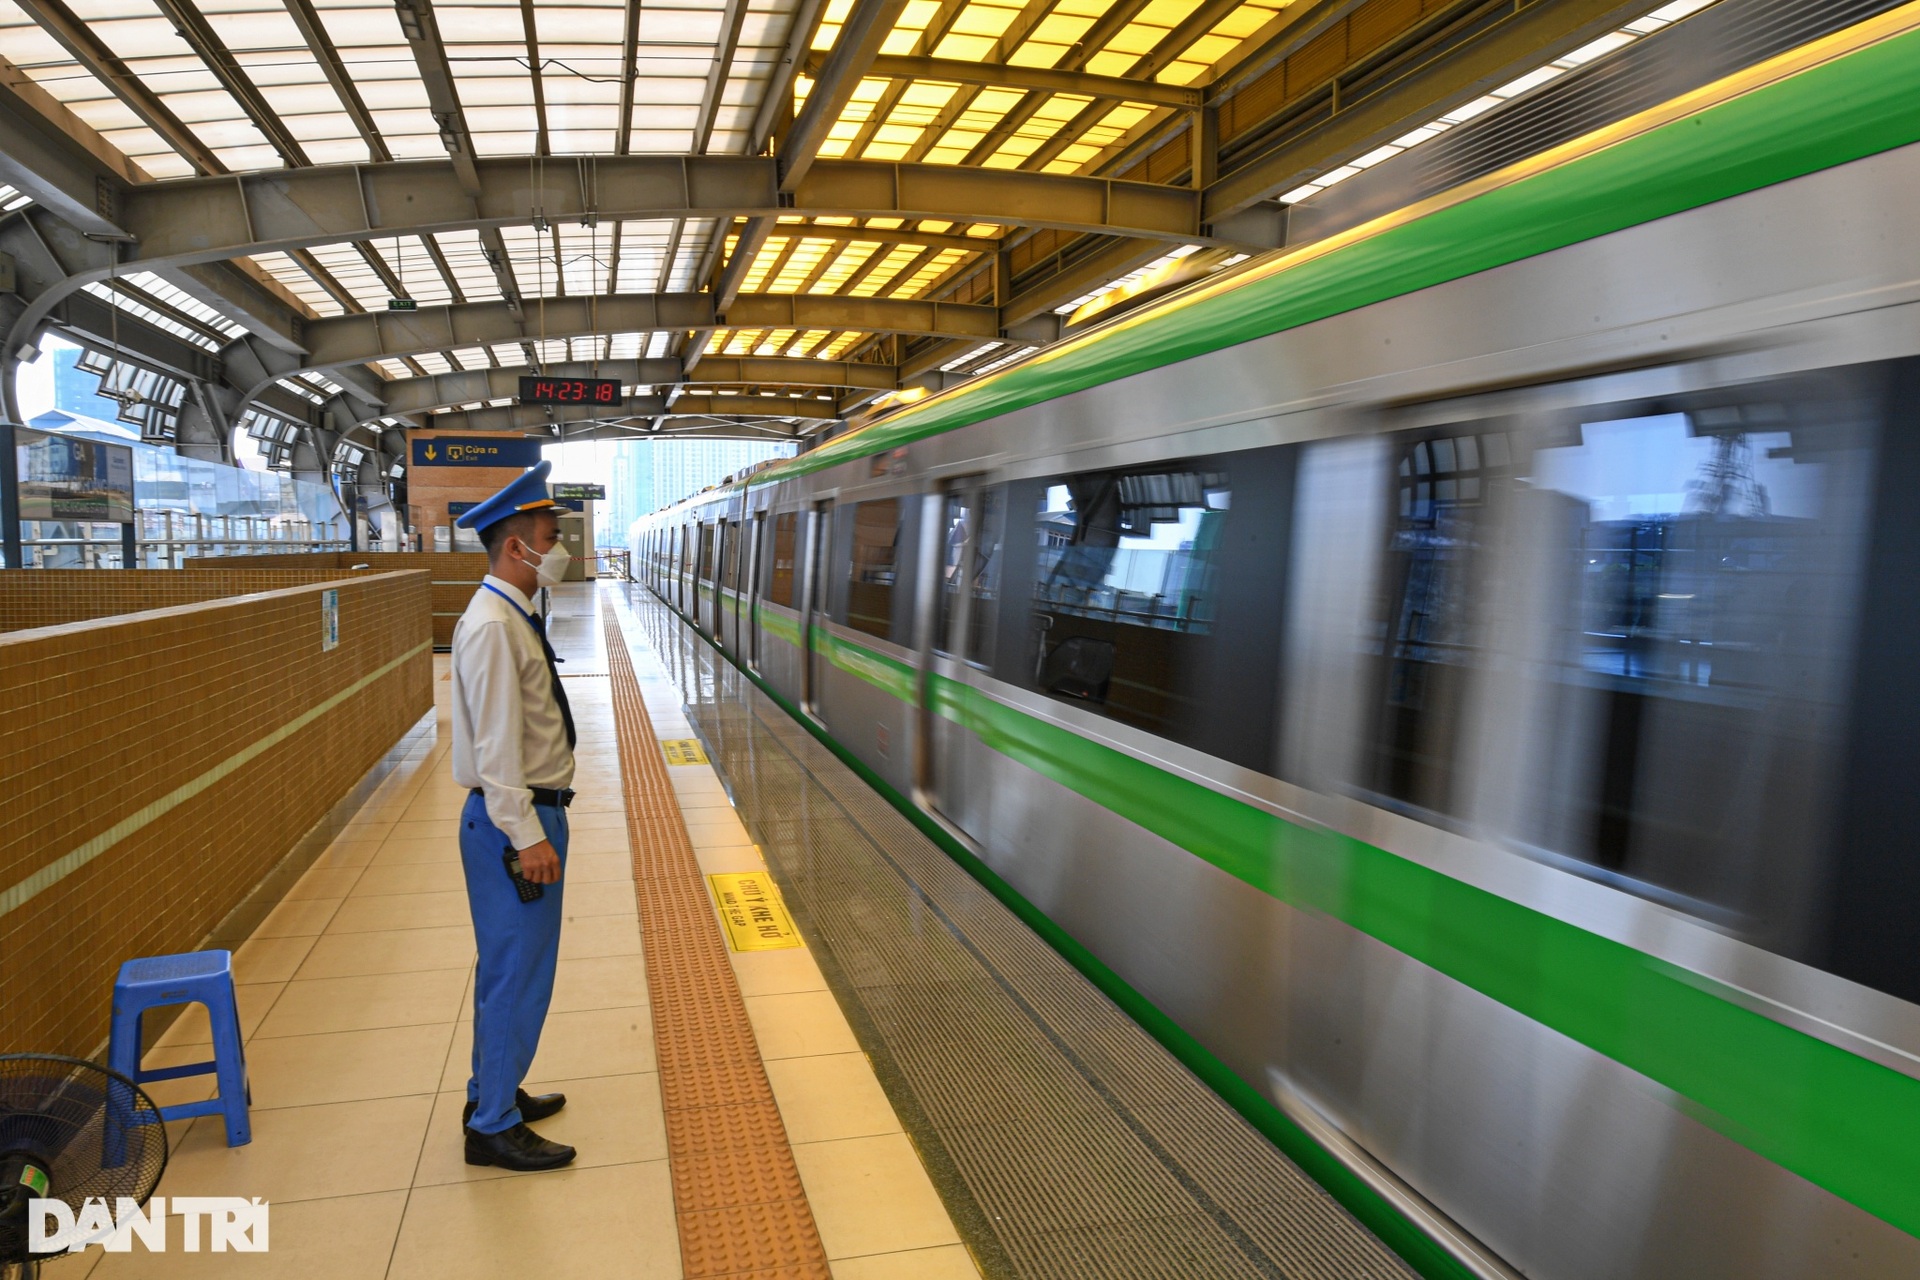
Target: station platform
(905, 1084)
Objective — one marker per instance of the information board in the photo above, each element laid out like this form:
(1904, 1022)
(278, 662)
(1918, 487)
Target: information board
(67, 478)
(580, 492)
(476, 451)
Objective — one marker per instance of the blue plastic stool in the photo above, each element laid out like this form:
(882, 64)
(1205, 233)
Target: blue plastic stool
(199, 977)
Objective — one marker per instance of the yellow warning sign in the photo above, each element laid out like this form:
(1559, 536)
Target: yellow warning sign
(751, 909)
(683, 751)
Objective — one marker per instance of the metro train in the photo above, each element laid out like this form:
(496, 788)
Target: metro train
(1462, 673)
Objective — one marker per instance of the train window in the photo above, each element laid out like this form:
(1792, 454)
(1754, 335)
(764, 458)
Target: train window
(785, 550)
(1620, 639)
(708, 534)
(970, 563)
(1155, 596)
(730, 555)
(873, 569)
(1446, 487)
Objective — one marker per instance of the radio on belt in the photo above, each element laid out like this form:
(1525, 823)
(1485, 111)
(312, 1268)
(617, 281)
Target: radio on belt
(570, 391)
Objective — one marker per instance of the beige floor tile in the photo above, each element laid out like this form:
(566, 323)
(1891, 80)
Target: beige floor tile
(949, 1262)
(323, 882)
(871, 1195)
(348, 853)
(347, 1066)
(255, 999)
(346, 955)
(532, 1225)
(297, 919)
(362, 826)
(603, 840)
(604, 982)
(830, 1096)
(305, 1153)
(798, 1024)
(440, 876)
(774, 973)
(597, 819)
(610, 1120)
(598, 868)
(573, 1046)
(605, 898)
(600, 936)
(714, 859)
(343, 1238)
(402, 911)
(317, 1006)
(418, 850)
(605, 800)
(719, 832)
(421, 829)
(270, 959)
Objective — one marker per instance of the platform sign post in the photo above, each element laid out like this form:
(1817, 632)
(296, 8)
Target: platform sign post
(10, 499)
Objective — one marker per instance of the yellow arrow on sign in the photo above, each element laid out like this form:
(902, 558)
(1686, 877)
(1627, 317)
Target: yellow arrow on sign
(431, 455)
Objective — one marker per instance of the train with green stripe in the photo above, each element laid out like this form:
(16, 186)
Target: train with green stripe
(1458, 679)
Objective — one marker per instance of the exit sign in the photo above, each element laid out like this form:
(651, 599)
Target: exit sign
(403, 304)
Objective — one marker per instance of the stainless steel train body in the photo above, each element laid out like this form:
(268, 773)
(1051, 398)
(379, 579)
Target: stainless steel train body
(1578, 594)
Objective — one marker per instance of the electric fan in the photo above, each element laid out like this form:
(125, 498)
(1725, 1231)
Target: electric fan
(70, 1130)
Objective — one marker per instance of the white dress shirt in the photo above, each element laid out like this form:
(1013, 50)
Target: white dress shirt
(508, 734)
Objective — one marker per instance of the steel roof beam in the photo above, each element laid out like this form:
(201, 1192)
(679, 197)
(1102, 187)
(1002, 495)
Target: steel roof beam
(534, 418)
(1040, 79)
(357, 339)
(445, 390)
(866, 28)
(314, 32)
(58, 159)
(200, 220)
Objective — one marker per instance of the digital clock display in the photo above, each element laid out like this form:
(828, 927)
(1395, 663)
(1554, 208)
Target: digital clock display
(570, 391)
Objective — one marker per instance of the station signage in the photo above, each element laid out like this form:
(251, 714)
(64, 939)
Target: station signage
(600, 391)
(580, 493)
(476, 451)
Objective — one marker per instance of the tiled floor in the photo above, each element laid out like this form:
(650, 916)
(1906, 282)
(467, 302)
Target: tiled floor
(356, 999)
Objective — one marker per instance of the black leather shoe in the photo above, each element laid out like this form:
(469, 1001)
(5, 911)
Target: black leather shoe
(518, 1148)
(531, 1108)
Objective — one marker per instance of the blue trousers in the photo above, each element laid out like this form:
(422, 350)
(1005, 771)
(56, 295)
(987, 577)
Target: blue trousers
(519, 944)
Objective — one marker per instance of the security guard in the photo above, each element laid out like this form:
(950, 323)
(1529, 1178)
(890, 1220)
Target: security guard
(513, 741)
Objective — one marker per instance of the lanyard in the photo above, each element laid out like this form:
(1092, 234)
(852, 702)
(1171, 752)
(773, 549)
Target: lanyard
(516, 608)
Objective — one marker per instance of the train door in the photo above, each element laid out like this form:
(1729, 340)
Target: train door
(726, 594)
(750, 623)
(965, 525)
(814, 613)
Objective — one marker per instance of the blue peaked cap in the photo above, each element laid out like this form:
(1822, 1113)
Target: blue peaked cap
(526, 493)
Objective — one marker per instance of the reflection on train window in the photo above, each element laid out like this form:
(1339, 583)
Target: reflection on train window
(707, 534)
(874, 568)
(780, 591)
(1699, 666)
(730, 554)
(1620, 640)
(970, 563)
(1447, 485)
(1122, 590)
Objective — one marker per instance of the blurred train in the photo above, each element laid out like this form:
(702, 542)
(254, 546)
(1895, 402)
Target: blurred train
(1464, 672)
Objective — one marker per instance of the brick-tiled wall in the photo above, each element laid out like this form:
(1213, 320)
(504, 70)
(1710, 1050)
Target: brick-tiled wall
(156, 766)
(456, 574)
(54, 597)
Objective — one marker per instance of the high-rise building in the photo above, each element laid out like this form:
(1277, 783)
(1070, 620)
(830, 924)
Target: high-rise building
(77, 391)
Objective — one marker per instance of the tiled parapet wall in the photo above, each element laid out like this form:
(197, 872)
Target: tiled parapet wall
(54, 597)
(456, 574)
(157, 766)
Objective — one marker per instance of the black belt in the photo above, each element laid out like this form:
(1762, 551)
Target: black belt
(560, 799)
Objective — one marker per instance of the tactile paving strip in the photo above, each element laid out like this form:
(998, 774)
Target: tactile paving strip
(1066, 1141)
(737, 1196)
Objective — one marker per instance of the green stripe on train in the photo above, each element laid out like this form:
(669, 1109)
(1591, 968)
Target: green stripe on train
(1832, 1117)
(1855, 106)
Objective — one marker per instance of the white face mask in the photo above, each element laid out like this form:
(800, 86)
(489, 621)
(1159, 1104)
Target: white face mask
(550, 569)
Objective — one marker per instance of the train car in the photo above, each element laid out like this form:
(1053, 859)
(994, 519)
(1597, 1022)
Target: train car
(1459, 672)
